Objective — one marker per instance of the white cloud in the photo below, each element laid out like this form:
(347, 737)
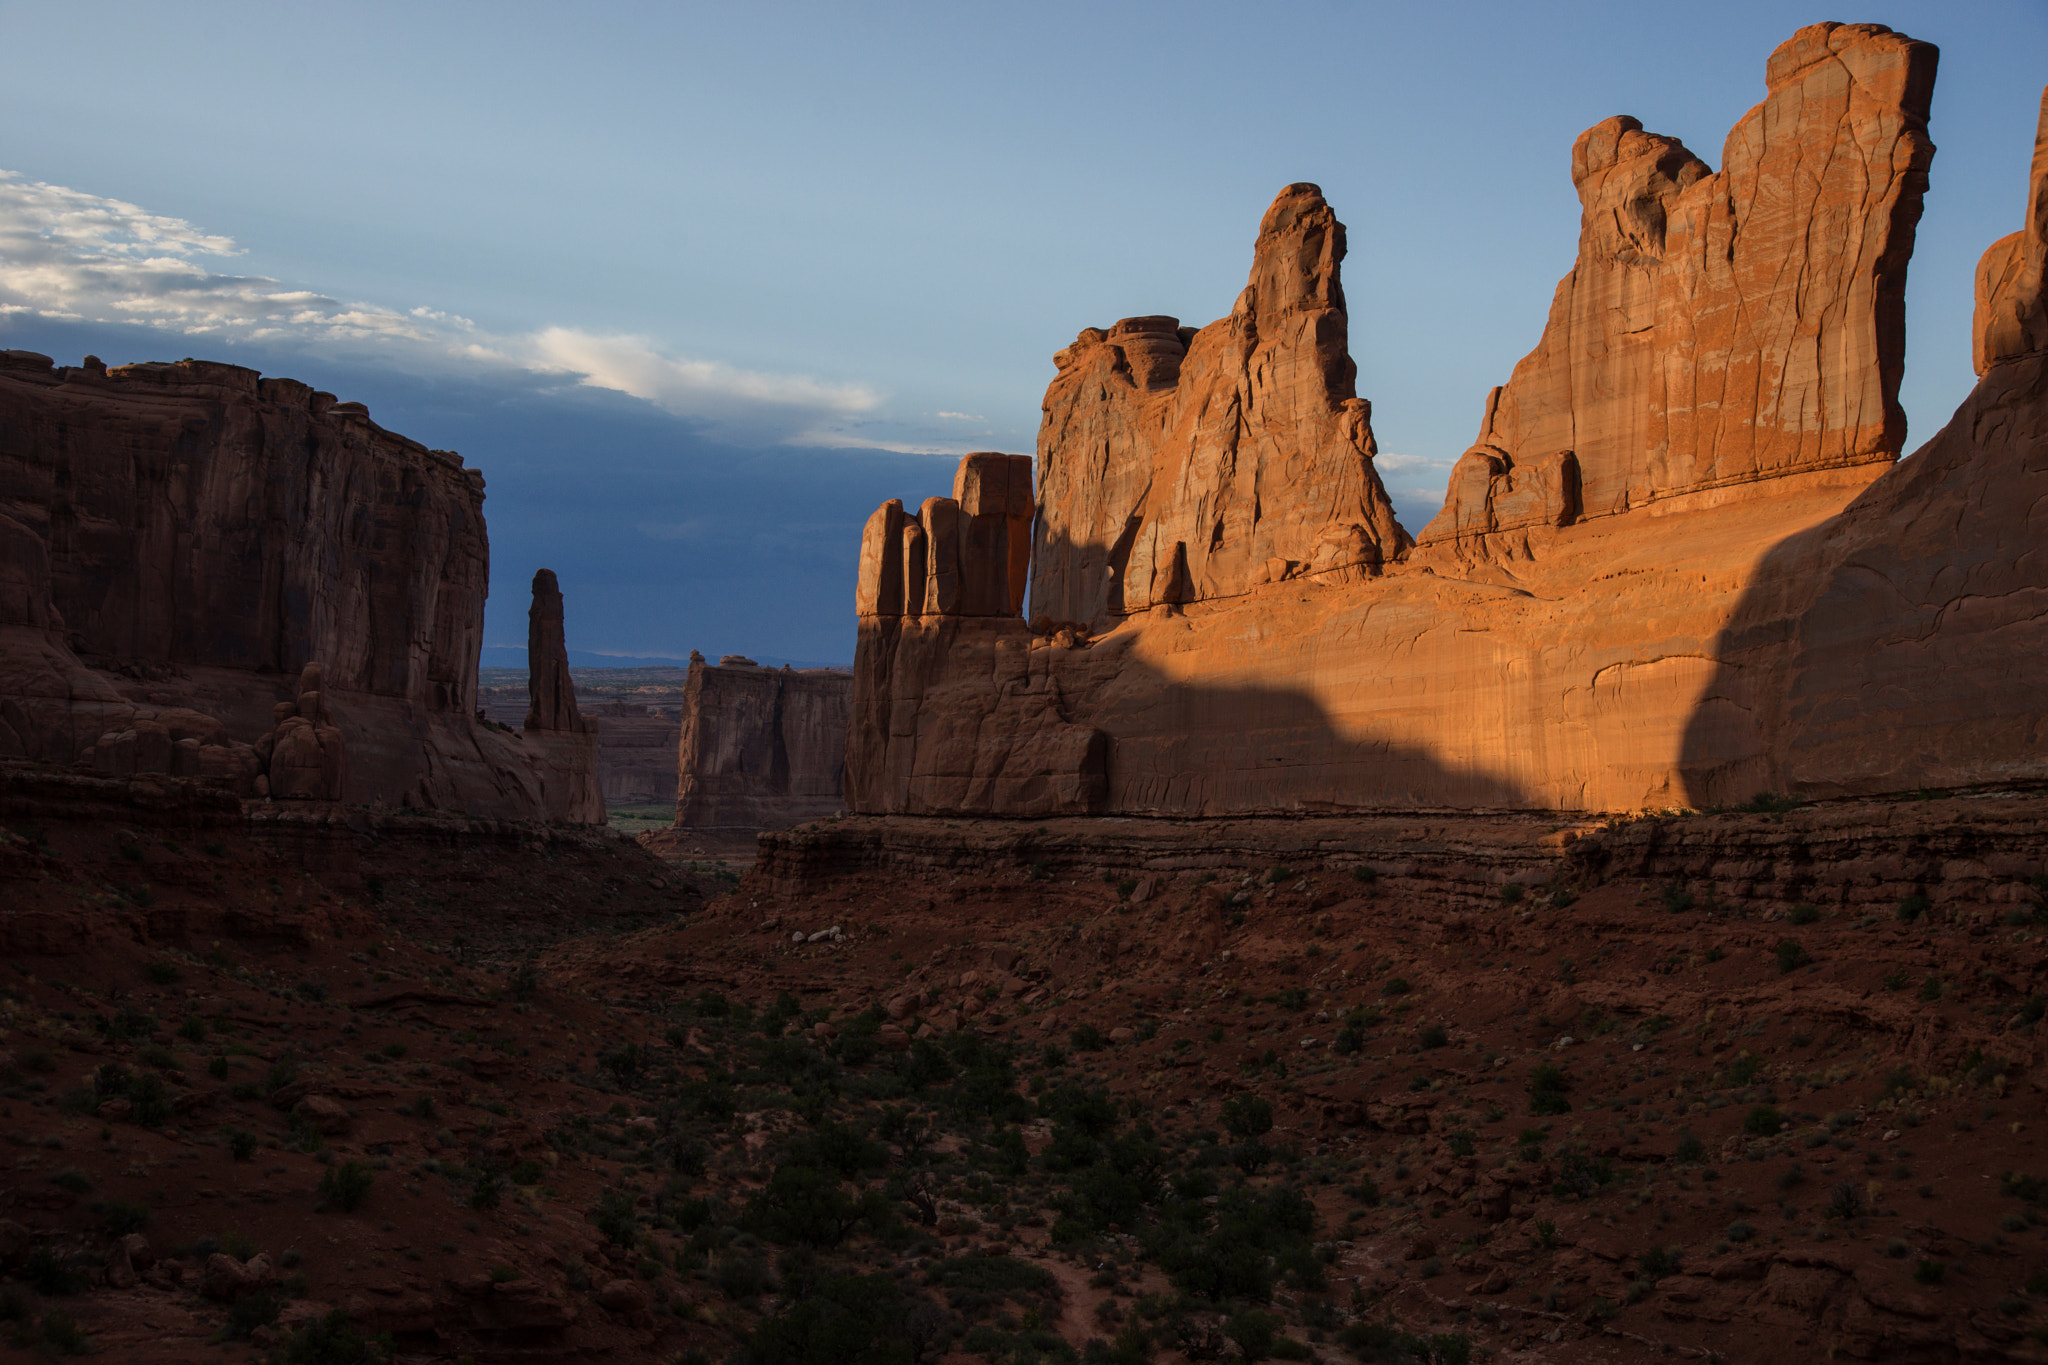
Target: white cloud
(76, 257)
(960, 416)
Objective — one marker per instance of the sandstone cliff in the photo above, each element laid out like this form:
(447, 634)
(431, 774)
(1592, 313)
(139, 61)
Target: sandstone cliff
(761, 748)
(1720, 328)
(177, 542)
(1680, 568)
(1180, 466)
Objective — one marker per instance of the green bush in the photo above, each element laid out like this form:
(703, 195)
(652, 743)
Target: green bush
(1547, 1086)
(1247, 1116)
(345, 1186)
(1792, 955)
(1804, 914)
(332, 1341)
(163, 972)
(845, 1320)
(1658, 1262)
(119, 1217)
(1763, 1120)
(248, 1313)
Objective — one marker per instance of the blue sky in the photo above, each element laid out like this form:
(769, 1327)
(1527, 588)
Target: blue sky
(698, 286)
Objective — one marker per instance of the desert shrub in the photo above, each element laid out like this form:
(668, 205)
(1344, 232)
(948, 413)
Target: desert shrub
(162, 971)
(1547, 1086)
(1913, 907)
(741, 1275)
(811, 1207)
(1677, 899)
(844, 1320)
(1930, 1271)
(248, 1313)
(1846, 1201)
(1691, 1151)
(1247, 1116)
(1511, 893)
(1658, 1262)
(345, 1186)
(1087, 1038)
(1763, 1120)
(1433, 1036)
(614, 1218)
(1803, 914)
(1581, 1174)
(332, 1340)
(1792, 955)
(119, 1217)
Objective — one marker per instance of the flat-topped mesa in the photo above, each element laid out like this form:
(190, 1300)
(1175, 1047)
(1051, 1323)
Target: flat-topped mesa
(1178, 466)
(180, 543)
(1721, 328)
(2012, 298)
(548, 685)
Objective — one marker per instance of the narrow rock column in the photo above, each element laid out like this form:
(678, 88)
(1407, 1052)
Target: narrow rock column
(553, 704)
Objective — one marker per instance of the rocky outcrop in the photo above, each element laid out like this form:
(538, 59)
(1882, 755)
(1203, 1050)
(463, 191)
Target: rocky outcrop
(1721, 327)
(1181, 466)
(761, 748)
(304, 757)
(179, 541)
(552, 692)
(2012, 299)
(1681, 568)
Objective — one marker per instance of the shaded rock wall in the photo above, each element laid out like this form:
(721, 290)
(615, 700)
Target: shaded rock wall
(760, 748)
(179, 541)
(1682, 567)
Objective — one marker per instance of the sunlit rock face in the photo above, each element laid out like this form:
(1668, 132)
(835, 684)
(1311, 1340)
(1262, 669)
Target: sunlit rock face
(1682, 564)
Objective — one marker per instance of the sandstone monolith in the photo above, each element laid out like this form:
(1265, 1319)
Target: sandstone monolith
(552, 691)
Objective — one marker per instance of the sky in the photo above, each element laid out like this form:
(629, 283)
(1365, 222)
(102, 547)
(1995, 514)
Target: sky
(698, 286)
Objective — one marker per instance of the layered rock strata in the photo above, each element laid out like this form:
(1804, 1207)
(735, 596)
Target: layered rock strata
(179, 541)
(1680, 568)
(1969, 858)
(760, 748)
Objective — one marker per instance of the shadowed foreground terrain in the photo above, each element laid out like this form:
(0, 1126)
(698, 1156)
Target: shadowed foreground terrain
(1525, 1091)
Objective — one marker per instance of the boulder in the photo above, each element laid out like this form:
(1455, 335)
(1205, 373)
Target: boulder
(323, 1114)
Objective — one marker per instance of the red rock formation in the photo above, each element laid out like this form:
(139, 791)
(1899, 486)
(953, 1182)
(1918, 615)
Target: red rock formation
(1897, 647)
(2012, 299)
(177, 542)
(1180, 466)
(761, 748)
(1720, 328)
(553, 692)
(304, 757)
(1681, 567)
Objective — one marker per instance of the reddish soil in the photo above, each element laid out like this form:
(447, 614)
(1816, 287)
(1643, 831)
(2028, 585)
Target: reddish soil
(156, 939)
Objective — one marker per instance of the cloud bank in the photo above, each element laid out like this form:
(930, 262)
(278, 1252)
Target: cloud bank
(75, 257)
